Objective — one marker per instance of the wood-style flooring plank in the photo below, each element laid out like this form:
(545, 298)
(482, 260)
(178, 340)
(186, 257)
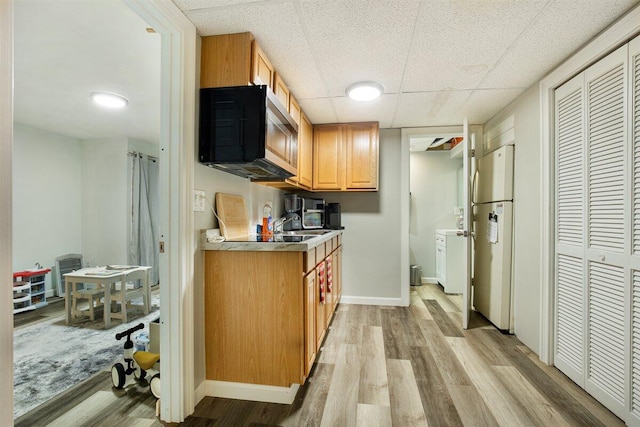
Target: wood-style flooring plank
(374, 387)
(539, 409)
(436, 401)
(563, 402)
(450, 368)
(583, 398)
(435, 292)
(444, 322)
(341, 406)
(418, 308)
(406, 406)
(308, 406)
(336, 335)
(492, 354)
(504, 407)
(81, 415)
(373, 415)
(395, 340)
(473, 411)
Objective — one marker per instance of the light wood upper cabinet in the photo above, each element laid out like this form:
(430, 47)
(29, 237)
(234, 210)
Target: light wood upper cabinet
(305, 153)
(346, 157)
(327, 157)
(281, 90)
(262, 72)
(294, 109)
(234, 60)
(361, 149)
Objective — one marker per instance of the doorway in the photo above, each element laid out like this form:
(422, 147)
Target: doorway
(70, 175)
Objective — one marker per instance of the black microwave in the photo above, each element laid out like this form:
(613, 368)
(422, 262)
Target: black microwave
(246, 131)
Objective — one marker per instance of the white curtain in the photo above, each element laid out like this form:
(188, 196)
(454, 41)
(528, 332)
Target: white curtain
(143, 213)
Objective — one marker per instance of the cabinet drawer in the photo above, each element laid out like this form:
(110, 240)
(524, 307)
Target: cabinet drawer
(321, 252)
(309, 260)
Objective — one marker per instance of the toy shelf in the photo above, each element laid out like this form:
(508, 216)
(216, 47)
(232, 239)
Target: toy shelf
(29, 290)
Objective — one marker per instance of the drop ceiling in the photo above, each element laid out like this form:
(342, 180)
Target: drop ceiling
(438, 60)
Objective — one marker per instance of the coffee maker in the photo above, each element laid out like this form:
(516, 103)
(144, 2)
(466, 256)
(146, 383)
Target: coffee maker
(293, 212)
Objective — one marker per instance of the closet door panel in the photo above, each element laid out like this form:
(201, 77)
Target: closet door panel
(634, 155)
(606, 133)
(570, 225)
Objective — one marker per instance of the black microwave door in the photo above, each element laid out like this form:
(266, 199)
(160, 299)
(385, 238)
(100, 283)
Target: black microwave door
(231, 124)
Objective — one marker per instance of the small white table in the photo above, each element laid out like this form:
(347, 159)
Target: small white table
(104, 278)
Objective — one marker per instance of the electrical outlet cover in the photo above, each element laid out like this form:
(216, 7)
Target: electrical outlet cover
(198, 200)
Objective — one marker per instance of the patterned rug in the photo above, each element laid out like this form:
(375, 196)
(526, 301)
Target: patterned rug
(51, 357)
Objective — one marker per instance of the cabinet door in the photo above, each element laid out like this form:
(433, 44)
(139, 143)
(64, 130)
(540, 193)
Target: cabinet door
(361, 150)
(327, 164)
(294, 110)
(262, 70)
(321, 322)
(309, 322)
(281, 90)
(226, 60)
(305, 152)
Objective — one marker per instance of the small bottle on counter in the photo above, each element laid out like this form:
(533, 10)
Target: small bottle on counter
(266, 218)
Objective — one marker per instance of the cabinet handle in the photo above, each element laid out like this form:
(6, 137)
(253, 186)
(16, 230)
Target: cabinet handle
(602, 258)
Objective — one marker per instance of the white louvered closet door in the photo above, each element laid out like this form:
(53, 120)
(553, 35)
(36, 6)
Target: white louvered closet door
(634, 155)
(606, 142)
(592, 229)
(570, 225)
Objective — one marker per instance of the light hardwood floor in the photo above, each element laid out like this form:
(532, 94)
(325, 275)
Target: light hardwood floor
(379, 366)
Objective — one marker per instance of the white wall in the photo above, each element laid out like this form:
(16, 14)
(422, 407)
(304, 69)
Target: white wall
(371, 239)
(434, 184)
(104, 201)
(212, 181)
(527, 227)
(46, 197)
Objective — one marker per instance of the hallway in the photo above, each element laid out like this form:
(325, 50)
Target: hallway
(382, 366)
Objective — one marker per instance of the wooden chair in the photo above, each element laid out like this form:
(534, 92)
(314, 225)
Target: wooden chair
(134, 284)
(81, 291)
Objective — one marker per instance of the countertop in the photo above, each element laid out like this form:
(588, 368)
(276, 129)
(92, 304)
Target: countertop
(252, 245)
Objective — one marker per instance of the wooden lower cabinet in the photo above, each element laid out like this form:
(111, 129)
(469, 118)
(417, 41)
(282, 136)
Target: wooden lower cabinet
(264, 321)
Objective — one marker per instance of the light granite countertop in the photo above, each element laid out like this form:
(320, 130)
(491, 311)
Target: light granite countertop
(251, 243)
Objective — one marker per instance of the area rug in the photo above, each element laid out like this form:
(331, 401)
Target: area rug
(51, 357)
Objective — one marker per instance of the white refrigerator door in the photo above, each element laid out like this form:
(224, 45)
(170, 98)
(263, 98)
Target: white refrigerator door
(495, 176)
(492, 266)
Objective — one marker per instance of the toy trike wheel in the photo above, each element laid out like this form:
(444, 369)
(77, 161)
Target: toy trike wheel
(118, 375)
(139, 373)
(154, 386)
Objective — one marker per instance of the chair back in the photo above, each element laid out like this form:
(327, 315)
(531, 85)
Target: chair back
(66, 264)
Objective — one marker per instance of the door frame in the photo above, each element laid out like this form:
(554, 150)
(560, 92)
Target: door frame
(178, 90)
(6, 144)
(613, 37)
(406, 135)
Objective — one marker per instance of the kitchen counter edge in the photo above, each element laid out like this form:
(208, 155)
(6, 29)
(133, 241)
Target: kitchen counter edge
(267, 246)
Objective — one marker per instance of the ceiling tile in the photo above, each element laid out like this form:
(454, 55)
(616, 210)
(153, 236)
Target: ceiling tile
(484, 104)
(354, 43)
(428, 108)
(209, 4)
(457, 42)
(319, 110)
(379, 110)
(561, 29)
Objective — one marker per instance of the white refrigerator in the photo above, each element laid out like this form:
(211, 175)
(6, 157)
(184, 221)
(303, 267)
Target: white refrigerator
(493, 209)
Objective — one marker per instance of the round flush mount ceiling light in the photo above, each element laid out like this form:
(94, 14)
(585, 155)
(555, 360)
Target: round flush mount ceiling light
(109, 100)
(364, 91)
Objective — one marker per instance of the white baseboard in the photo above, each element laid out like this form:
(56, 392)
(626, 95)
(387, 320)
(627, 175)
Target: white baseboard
(431, 280)
(255, 392)
(200, 392)
(346, 299)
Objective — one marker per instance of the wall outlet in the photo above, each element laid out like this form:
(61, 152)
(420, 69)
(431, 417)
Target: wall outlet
(198, 200)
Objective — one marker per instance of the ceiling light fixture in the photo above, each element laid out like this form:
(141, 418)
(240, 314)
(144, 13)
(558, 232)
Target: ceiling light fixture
(109, 100)
(364, 91)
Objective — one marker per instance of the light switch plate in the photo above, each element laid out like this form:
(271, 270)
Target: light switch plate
(198, 200)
